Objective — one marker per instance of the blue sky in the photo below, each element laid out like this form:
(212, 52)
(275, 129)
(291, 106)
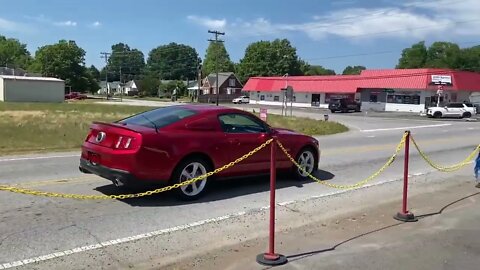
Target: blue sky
(330, 33)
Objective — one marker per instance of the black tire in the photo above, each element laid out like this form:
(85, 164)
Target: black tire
(467, 115)
(296, 171)
(188, 193)
(240, 102)
(437, 114)
(332, 111)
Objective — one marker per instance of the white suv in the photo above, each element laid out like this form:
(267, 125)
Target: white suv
(240, 100)
(457, 110)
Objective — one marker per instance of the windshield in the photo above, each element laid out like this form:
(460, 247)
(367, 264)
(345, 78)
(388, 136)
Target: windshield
(158, 118)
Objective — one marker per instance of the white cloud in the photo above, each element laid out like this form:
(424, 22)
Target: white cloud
(43, 19)
(96, 24)
(414, 19)
(215, 24)
(66, 23)
(9, 26)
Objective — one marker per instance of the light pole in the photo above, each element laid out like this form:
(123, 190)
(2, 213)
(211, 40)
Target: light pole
(216, 41)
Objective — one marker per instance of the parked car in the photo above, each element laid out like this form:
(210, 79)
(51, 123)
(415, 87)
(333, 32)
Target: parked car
(455, 110)
(173, 144)
(344, 105)
(75, 95)
(240, 100)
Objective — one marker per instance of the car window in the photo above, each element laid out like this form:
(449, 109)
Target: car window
(240, 123)
(158, 118)
(455, 105)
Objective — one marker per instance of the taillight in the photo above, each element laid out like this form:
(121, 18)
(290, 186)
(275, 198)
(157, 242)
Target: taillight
(90, 133)
(123, 142)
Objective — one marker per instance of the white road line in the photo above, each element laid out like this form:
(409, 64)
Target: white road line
(181, 227)
(405, 128)
(34, 158)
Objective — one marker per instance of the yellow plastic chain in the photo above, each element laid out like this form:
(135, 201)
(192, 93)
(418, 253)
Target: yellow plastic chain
(135, 195)
(451, 168)
(352, 186)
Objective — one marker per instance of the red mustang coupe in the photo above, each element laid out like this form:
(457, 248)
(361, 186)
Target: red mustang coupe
(173, 144)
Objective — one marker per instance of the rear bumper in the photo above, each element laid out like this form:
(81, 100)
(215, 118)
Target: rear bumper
(106, 172)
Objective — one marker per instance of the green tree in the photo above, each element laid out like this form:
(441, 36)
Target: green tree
(174, 62)
(13, 53)
(469, 59)
(413, 57)
(94, 72)
(126, 61)
(149, 85)
(317, 70)
(216, 52)
(265, 58)
(64, 60)
(443, 55)
(355, 70)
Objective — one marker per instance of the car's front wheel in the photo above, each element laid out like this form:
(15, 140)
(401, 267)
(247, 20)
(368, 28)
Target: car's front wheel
(467, 115)
(186, 170)
(437, 114)
(306, 159)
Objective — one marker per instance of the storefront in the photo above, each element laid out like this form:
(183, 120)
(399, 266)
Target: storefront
(405, 90)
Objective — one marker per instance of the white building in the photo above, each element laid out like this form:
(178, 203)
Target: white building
(406, 90)
(31, 89)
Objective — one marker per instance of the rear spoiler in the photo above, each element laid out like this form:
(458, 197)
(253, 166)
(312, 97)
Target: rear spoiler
(114, 125)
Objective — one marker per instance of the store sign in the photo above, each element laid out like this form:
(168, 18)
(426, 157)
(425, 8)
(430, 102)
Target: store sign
(442, 79)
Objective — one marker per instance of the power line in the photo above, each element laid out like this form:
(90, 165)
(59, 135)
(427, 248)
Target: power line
(216, 41)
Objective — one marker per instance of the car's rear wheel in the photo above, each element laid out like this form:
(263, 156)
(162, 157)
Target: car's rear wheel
(306, 159)
(332, 111)
(467, 115)
(186, 170)
(437, 114)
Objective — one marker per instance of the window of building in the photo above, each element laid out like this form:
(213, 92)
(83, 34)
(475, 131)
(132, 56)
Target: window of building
(373, 98)
(262, 97)
(276, 98)
(231, 82)
(404, 99)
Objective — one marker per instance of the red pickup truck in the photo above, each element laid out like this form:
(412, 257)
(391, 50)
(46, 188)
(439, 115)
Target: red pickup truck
(75, 95)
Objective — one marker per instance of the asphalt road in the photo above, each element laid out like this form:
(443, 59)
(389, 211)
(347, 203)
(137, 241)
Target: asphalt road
(35, 226)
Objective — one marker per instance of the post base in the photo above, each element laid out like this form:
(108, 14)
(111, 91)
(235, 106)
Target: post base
(407, 217)
(271, 259)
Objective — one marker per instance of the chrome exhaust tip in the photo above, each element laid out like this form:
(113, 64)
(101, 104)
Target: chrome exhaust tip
(118, 182)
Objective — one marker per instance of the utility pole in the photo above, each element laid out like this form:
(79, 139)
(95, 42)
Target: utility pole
(216, 40)
(105, 55)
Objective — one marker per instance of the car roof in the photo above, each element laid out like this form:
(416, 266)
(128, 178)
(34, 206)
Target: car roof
(202, 108)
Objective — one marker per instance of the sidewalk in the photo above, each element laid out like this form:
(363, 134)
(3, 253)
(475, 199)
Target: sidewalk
(447, 236)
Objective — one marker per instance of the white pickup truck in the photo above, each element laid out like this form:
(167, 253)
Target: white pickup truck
(454, 110)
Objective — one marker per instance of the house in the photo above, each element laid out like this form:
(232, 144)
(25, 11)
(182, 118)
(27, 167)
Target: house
(229, 87)
(405, 90)
(31, 89)
(131, 88)
(111, 88)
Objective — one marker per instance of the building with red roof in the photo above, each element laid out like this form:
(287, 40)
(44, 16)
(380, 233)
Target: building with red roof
(408, 90)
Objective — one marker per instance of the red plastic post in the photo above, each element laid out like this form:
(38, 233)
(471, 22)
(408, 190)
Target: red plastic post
(273, 179)
(405, 174)
(271, 258)
(405, 215)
